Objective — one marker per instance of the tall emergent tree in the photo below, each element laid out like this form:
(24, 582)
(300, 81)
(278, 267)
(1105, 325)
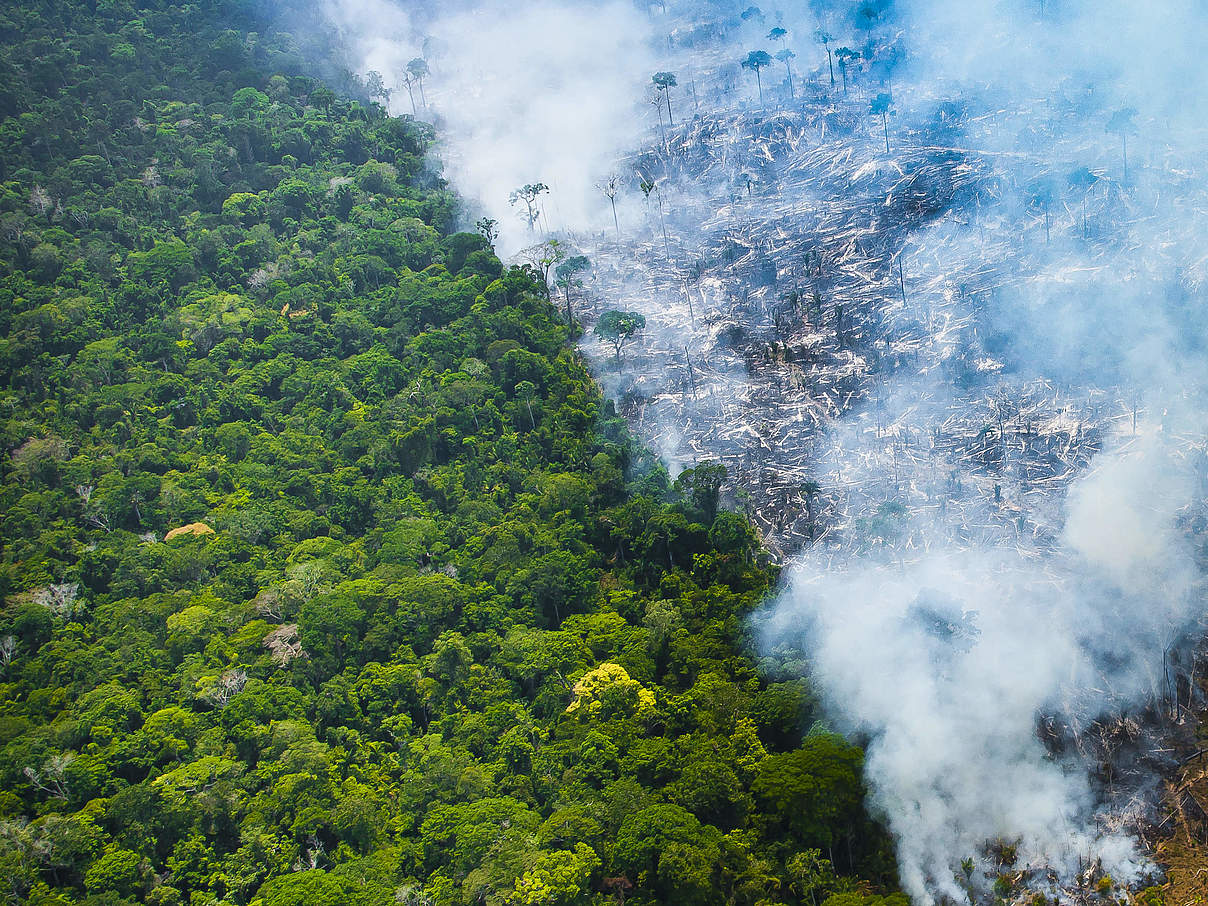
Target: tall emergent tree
(655, 99)
(409, 82)
(824, 39)
(488, 228)
(882, 106)
(542, 258)
(418, 70)
(846, 56)
(617, 327)
(755, 61)
(528, 193)
(567, 276)
(610, 187)
(663, 83)
(375, 86)
(786, 56)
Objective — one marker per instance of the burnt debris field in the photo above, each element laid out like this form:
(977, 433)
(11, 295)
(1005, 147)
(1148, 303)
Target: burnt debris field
(946, 335)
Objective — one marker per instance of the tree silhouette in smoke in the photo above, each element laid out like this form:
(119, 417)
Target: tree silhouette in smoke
(610, 186)
(882, 106)
(824, 39)
(409, 82)
(418, 70)
(755, 61)
(1041, 194)
(1083, 180)
(528, 193)
(663, 83)
(846, 56)
(376, 88)
(786, 56)
(488, 228)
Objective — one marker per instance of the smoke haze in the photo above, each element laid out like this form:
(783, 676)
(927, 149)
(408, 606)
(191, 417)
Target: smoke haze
(539, 92)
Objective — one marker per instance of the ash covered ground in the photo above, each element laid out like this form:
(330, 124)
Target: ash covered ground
(812, 285)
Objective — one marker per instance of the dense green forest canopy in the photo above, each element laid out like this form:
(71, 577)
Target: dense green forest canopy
(328, 576)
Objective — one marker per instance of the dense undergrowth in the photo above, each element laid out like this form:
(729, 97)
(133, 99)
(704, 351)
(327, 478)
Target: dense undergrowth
(437, 629)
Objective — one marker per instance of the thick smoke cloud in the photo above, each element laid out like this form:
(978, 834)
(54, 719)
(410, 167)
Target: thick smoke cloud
(524, 93)
(1148, 55)
(945, 661)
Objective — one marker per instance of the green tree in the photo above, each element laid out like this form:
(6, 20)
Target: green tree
(676, 855)
(568, 277)
(118, 871)
(811, 874)
(814, 792)
(316, 887)
(703, 484)
(559, 878)
(618, 327)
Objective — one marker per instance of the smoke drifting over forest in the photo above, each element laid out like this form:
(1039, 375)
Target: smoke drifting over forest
(953, 608)
(542, 92)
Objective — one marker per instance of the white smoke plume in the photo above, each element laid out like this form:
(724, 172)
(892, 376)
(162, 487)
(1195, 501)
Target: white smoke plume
(946, 661)
(539, 92)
